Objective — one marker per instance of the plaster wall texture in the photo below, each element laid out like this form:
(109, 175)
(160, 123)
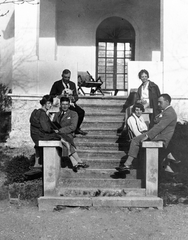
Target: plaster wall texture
(175, 47)
(20, 126)
(77, 24)
(25, 65)
(6, 43)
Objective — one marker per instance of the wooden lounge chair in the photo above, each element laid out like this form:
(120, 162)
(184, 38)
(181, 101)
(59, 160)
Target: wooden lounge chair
(86, 80)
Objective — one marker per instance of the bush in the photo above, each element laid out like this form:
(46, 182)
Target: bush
(16, 168)
(28, 190)
(5, 100)
(17, 183)
(5, 103)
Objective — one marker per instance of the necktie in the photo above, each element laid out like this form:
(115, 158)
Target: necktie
(62, 114)
(66, 84)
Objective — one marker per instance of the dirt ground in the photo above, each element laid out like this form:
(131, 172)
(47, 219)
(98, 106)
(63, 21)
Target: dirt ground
(26, 222)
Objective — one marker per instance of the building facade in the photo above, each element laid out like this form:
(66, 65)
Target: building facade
(114, 39)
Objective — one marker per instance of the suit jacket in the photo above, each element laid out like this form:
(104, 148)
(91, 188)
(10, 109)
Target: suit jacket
(164, 128)
(58, 87)
(68, 122)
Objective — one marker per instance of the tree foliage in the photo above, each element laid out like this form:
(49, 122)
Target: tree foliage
(16, 2)
(5, 100)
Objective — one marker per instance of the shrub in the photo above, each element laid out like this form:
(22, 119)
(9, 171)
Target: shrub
(28, 190)
(16, 183)
(5, 100)
(5, 103)
(15, 169)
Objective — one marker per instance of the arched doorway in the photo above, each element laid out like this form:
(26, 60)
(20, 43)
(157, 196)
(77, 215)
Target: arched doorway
(115, 44)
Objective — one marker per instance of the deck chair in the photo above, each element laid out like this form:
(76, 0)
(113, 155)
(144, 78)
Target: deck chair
(86, 80)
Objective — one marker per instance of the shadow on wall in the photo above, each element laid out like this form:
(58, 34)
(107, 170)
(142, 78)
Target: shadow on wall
(9, 30)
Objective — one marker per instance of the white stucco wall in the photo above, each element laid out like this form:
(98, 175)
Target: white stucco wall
(175, 53)
(77, 24)
(72, 45)
(6, 43)
(175, 47)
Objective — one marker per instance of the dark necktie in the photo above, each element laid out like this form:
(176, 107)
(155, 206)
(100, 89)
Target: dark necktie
(62, 114)
(66, 84)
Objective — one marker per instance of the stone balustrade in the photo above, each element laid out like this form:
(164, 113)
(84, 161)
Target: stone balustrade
(152, 162)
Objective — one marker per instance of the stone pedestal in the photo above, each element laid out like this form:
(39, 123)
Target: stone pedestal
(152, 159)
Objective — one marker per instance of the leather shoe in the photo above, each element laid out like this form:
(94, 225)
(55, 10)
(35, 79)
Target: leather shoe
(83, 165)
(75, 168)
(124, 168)
(79, 131)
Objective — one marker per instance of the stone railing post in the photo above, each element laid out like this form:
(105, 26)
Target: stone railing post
(152, 162)
(51, 166)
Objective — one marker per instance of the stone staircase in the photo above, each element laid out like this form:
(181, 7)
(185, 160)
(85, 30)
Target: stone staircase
(103, 149)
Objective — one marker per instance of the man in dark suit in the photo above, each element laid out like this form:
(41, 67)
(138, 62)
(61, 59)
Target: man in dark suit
(163, 130)
(65, 87)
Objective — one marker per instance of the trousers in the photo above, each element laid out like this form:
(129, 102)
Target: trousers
(80, 112)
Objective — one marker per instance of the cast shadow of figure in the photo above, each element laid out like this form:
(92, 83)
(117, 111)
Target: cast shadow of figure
(138, 171)
(122, 133)
(178, 148)
(126, 109)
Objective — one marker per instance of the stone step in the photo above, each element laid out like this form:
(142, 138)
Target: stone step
(97, 131)
(95, 163)
(94, 123)
(104, 117)
(105, 163)
(103, 192)
(100, 183)
(108, 154)
(97, 146)
(104, 100)
(102, 163)
(97, 173)
(49, 203)
(96, 108)
(98, 138)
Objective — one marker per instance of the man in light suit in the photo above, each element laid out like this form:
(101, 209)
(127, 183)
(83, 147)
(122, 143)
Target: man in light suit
(66, 118)
(163, 130)
(67, 88)
(67, 122)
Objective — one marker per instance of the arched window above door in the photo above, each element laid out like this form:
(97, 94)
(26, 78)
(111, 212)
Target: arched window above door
(115, 39)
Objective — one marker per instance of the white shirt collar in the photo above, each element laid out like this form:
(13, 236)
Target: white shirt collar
(166, 108)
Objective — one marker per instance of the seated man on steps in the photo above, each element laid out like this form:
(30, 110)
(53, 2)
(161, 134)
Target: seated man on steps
(65, 87)
(67, 120)
(163, 130)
